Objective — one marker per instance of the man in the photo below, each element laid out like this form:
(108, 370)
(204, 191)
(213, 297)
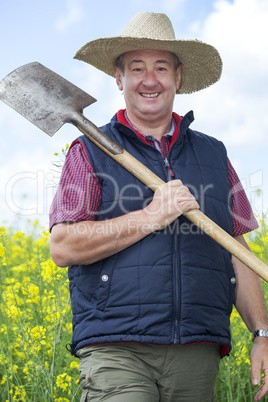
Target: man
(151, 293)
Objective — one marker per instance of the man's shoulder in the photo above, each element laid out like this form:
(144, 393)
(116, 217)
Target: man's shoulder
(198, 135)
(207, 143)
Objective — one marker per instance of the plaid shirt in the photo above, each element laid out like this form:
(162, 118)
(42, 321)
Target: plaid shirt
(78, 196)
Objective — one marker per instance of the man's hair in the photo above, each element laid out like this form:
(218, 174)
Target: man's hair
(120, 62)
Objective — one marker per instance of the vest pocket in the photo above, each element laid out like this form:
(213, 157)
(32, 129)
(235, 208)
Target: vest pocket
(231, 282)
(104, 285)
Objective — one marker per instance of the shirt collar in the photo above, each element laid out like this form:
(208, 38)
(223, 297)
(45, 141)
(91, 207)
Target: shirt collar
(120, 117)
(151, 137)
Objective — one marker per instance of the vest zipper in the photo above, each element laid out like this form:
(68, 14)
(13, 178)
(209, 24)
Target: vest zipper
(170, 173)
(176, 337)
(176, 286)
(170, 176)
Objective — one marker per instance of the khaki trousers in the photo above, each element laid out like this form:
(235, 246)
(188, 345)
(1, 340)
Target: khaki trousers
(136, 372)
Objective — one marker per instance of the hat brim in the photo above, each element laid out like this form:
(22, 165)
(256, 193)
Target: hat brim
(202, 64)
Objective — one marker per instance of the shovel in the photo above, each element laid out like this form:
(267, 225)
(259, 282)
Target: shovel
(48, 101)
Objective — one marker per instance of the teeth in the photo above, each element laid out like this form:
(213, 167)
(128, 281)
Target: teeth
(150, 95)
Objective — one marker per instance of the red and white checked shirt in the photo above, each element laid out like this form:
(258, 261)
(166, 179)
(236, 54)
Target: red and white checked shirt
(78, 196)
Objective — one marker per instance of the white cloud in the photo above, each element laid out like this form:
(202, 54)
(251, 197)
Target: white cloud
(26, 168)
(236, 107)
(73, 14)
(241, 30)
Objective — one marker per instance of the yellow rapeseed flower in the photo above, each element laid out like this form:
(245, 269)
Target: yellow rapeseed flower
(63, 381)
(74, 365)
(33, 294)
(18, 236)
(2, 250)
(15, 368)
(38, 332)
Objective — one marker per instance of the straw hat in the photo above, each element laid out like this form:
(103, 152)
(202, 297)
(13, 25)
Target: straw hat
(202, 63)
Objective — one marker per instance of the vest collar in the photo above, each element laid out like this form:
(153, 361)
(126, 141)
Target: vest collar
(185, 121)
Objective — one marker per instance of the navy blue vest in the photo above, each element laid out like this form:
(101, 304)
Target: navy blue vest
(176, 285)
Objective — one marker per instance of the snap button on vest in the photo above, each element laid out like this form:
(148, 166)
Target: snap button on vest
(104, 278)
(233, 280)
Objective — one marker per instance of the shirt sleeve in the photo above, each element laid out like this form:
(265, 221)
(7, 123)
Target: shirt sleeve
(244, 220)
(78, 195)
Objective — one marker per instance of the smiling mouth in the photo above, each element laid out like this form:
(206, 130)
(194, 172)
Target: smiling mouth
(154, 95)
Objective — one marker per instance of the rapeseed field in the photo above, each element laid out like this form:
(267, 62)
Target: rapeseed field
(35, 325)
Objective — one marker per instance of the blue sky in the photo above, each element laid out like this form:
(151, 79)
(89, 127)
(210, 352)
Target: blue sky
(234, 110)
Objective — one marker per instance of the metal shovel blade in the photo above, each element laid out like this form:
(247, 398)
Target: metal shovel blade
(43, 97)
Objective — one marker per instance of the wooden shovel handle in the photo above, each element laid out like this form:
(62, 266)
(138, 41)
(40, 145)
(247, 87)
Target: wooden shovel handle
(152, 181)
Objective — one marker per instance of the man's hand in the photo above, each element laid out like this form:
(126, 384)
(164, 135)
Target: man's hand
(170, 201)
(259, 363)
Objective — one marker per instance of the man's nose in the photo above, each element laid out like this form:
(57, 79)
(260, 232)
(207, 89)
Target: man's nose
(149, 78)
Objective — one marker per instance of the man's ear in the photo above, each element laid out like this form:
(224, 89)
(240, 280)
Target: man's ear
(178, 77)
(118, 77)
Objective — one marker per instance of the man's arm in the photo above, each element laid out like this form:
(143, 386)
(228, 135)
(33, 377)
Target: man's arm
(89, 241)
(250, 304)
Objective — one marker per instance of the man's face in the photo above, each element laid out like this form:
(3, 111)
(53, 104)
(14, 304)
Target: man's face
(149, 83)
